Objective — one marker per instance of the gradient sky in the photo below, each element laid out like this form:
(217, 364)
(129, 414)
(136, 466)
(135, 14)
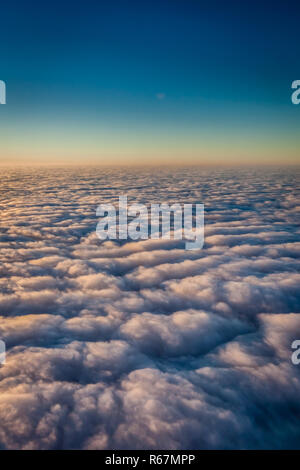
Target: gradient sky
(119, 81)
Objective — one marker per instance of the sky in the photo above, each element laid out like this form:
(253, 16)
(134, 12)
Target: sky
(131, 82)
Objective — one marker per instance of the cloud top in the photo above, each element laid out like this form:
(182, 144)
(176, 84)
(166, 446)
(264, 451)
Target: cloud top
(144, 345)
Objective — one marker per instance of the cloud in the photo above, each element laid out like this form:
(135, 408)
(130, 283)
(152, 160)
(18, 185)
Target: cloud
(143, 344)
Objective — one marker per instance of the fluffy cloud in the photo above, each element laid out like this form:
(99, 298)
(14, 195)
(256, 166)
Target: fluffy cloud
(144, 344)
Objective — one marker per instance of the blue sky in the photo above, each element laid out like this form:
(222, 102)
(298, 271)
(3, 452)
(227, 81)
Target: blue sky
(138, 81)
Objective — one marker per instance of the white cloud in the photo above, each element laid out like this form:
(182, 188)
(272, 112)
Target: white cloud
(145, 344)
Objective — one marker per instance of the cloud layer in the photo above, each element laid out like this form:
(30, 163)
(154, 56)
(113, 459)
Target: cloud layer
(144, 345)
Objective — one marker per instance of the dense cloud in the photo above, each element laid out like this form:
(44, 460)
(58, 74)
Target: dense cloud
(145, 344)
